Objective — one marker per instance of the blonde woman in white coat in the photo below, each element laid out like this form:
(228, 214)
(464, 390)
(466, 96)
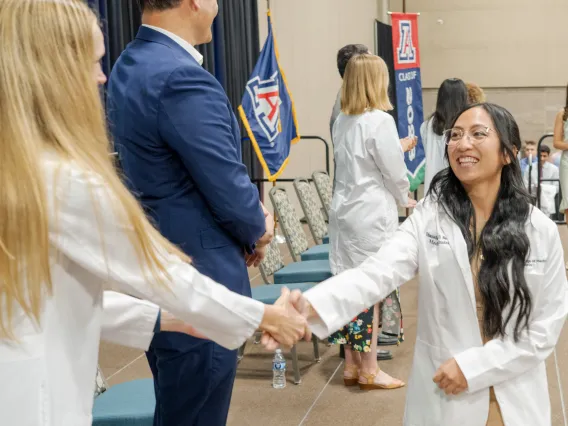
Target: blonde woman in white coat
(493, 293)
(370, 180)
(69, 227)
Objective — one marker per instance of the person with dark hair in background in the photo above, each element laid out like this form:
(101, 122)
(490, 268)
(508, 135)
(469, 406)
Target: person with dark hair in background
(493, 294)
(179, 145)
(452, 98)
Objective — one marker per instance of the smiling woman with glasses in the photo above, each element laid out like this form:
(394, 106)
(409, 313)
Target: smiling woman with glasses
(492, 286)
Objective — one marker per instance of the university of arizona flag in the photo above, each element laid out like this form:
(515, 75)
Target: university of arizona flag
(408, 86)
(268, 112)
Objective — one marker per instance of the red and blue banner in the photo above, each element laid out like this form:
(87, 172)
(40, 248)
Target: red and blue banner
(268, 112)
(408, 84)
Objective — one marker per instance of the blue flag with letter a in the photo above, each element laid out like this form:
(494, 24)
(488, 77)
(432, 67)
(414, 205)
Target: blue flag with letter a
(268, 112)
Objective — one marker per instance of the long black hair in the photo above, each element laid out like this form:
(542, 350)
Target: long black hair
(452, 98)
(503, 242)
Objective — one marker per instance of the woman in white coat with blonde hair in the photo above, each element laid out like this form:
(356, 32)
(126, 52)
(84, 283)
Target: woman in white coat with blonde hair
(370, 180)
(493, 292)
(69, 228)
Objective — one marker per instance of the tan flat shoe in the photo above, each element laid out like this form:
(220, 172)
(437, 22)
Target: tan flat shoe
(371, 385)
(353, 370)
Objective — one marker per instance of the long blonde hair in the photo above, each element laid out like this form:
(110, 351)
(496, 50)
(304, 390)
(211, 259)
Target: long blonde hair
(365, 85)
(49, 100)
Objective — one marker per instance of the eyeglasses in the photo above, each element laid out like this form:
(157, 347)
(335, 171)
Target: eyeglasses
(476, 135)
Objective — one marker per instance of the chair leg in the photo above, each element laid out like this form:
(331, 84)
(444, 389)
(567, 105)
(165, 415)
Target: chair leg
(315, 342)
(241, 353)
(297, 377)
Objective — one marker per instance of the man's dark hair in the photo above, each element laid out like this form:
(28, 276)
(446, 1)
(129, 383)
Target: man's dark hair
(346, 53)
(158, 4)
(544, 148)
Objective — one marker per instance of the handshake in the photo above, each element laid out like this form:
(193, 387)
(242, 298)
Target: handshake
(285, 322)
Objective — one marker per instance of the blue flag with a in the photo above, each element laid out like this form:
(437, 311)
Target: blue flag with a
(268, 112)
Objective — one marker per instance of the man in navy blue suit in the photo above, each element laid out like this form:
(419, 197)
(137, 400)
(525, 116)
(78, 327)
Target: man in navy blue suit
(180, 148)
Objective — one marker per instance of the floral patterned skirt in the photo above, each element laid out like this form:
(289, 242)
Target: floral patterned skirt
(359, 332)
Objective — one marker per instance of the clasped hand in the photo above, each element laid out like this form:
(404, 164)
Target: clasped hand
(285, 322)
(408, 143)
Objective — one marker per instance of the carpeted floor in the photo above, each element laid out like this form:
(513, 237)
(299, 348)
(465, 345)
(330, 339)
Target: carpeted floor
(321, 398)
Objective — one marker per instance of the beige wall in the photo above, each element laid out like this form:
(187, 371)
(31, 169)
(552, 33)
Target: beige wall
(497, 43)
(309, 33)
(533, 108)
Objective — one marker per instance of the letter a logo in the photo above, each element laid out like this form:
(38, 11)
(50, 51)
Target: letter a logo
(406, 51)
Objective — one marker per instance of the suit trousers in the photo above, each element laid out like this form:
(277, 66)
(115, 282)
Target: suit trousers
(193, 382)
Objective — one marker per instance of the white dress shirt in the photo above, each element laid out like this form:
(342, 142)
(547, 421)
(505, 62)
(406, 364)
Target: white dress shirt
(190, 49)
(48, 374)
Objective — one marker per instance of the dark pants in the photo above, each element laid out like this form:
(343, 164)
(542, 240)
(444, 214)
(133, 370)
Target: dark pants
(193, 383)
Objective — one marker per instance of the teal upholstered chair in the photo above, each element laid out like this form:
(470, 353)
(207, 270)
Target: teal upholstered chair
(316, 221)
(126, 404)
(313, 271)
(295, 236)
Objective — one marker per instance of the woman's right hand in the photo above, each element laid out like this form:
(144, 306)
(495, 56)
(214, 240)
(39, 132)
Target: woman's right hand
(282, 324)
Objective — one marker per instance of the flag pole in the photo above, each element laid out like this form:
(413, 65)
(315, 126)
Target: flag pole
(273, 182)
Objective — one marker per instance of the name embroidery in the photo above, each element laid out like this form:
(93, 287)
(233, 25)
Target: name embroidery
(437, 240)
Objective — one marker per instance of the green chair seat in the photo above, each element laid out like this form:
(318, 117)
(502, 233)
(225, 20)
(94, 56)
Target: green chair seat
(126, 404)
(268, 294)
(320, 252)
(313, 271)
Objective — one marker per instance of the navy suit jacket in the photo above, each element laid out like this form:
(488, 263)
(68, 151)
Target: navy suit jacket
(179, 146)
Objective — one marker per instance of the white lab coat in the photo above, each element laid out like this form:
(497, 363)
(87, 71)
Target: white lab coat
(435, 152)
(370, 178)
(128, 321)
(430, 244)
(48, 375)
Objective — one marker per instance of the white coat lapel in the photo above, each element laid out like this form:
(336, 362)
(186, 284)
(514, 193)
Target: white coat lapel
(459, 249)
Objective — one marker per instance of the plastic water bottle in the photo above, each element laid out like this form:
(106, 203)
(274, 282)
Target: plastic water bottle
(279, 370)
